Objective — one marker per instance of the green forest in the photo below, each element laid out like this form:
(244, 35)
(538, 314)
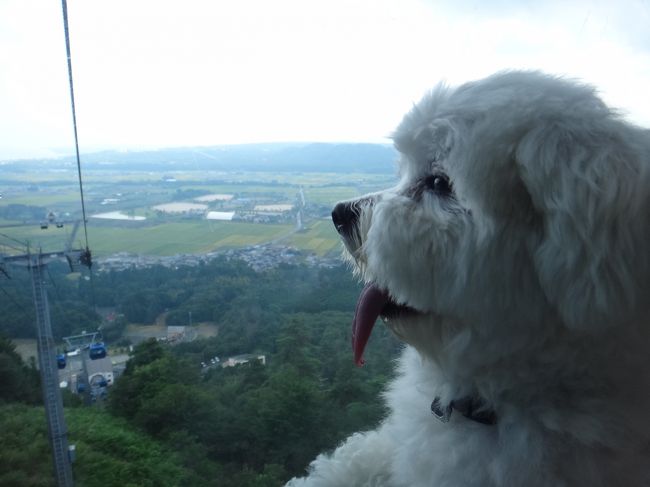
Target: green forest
(167, 420)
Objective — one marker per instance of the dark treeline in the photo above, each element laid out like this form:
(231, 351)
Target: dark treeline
(249, 425)
(70, 301)
(223, 292)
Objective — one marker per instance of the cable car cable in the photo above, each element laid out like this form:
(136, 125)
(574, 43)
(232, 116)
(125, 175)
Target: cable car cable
(56, 288)
(86, 258)
(64, 5)
(23, 244)
(12, 247)
(92, 290)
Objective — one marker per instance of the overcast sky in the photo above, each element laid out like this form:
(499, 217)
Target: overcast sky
(162, 73)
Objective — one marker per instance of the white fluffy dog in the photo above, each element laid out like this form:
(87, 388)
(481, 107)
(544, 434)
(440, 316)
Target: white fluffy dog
(513, 257)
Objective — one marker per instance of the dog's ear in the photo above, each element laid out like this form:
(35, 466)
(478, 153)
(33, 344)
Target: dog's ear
(591, 186)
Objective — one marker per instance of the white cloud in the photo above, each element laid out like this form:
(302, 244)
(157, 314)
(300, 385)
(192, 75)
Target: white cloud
(163, 73)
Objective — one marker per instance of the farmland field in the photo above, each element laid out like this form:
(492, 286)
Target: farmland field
(331, 194)
(137, 193)
(190, 237)
(41, 199)
(320, 238)
(184, 237)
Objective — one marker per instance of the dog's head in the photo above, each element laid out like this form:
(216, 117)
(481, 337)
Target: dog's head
(522, 201)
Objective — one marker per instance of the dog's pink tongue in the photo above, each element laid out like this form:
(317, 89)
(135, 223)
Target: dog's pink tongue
(370, 304)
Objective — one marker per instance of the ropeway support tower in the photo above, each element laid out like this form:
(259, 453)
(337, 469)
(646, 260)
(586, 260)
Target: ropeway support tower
(52, 401)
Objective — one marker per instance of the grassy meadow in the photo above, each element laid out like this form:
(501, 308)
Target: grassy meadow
(191, 237)
(319, 238)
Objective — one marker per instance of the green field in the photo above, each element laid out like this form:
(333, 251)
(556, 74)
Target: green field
(169, 235)
(42, 199)
(330, 195)
(185, 237)
(320, 238)
(193, 237)
(165, 239)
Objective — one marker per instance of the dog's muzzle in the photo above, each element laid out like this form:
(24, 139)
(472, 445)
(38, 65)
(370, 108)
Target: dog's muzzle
(345, 216)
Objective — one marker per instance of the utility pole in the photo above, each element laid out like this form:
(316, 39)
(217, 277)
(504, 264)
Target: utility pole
(52, 400)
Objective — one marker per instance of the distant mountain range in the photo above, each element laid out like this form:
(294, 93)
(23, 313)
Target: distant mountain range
(284, 157)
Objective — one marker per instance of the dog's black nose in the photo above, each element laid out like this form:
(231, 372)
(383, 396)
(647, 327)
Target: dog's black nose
(344, 216)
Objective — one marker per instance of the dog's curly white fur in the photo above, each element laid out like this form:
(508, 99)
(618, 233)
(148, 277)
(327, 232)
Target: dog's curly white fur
(519, 238)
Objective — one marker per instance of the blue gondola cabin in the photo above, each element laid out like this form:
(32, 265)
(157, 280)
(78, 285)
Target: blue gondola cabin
(97, 351)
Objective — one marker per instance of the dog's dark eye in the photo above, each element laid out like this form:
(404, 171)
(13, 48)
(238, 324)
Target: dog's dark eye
(439, 184)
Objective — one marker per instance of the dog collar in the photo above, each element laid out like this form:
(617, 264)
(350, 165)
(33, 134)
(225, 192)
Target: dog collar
(472, 407)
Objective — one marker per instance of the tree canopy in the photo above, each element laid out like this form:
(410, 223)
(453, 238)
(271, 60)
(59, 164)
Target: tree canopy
(168, 417)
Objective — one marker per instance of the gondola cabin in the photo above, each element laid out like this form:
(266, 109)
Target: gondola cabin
(60, 360)
(97, 351)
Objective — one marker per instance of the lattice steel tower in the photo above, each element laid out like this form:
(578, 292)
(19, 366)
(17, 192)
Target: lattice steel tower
(50, 376)
(52, 401)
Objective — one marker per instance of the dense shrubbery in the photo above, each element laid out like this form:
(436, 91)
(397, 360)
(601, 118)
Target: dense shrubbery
(257, 418)
(19, 382)
(251, 425)
(70, 302)
(109, 451)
